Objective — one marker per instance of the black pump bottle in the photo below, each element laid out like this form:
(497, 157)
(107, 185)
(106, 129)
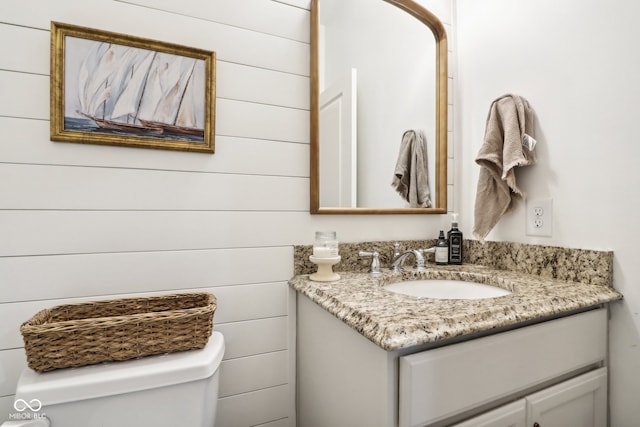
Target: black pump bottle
(455, 241)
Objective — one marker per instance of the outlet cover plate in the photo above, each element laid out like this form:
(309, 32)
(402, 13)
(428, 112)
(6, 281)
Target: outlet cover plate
(539, 217)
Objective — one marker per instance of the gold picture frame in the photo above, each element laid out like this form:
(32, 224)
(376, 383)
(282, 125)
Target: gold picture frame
(116, 89)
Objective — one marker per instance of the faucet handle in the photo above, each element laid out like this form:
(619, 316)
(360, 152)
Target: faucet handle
(375, 261)
(396, 249)
(421, 264)
(420, 261)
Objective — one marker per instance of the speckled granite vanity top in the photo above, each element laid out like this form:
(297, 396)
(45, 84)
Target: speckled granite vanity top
(394, 321)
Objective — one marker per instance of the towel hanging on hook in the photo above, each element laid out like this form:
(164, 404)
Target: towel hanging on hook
(508, 143)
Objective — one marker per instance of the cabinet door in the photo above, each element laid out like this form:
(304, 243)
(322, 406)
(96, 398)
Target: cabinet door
(581, 401)
(511, 415)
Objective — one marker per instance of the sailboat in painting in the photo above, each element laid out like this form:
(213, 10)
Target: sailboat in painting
(174, 111)
(131, 90)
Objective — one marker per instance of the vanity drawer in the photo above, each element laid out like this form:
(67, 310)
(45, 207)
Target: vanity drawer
(439, 383)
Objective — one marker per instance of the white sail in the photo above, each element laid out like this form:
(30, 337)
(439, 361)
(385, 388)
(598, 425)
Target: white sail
(168, 106)
(163, 78)
(128, 100)
(118, 81)
(87, 69)
(172, 85)
(164, 112)
(98, 83)
(186, 115)
(171, 72)
(100, 97)
(152, 92)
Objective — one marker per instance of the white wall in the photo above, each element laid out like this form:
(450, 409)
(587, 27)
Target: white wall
(578, 63)
(82, 222)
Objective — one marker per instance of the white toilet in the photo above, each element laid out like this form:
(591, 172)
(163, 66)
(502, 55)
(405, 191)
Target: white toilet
(177, 389)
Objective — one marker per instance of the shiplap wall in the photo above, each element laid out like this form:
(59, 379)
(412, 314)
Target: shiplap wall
(85, 222)
(91, 222)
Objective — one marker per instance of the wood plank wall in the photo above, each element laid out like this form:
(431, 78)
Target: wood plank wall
(80, 222)
(84, 222)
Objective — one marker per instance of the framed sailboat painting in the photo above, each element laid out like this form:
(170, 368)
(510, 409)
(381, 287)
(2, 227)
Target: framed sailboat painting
(116, 89)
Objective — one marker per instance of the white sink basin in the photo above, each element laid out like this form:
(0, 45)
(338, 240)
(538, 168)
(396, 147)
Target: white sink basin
(446, 289)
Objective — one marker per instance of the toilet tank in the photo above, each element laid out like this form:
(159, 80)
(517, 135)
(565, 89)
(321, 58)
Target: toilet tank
(177, 389)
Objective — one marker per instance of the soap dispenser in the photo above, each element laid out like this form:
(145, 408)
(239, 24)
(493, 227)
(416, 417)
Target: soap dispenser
(455, 241)
(442, 250)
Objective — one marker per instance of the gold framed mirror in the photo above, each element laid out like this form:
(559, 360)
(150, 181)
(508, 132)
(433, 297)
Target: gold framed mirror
(355, 177)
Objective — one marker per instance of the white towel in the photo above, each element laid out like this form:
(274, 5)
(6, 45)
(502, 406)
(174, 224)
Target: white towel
(411, 179)
(508, 143)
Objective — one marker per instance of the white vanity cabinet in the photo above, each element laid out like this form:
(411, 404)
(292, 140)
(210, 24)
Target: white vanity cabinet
(437, 384)
(581, 401)
(549, 373)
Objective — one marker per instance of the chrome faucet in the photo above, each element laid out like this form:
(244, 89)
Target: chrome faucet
(375, 262)
(398, 258)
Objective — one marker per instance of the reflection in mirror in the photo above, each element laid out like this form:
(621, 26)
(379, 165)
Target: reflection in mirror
(378, 69)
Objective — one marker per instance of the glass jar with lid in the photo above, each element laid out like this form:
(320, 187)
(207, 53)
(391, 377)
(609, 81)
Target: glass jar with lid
(325, 244)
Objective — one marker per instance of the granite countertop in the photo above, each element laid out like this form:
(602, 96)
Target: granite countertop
(394, 321)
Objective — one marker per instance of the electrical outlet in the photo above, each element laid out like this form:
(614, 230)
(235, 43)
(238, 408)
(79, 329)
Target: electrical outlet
(539, 214)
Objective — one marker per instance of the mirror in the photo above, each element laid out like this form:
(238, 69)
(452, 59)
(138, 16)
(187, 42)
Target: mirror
(378, 69)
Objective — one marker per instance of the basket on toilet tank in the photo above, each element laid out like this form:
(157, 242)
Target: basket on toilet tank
(73, 335)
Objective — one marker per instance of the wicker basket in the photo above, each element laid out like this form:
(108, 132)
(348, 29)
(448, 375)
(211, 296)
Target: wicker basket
(82, 334)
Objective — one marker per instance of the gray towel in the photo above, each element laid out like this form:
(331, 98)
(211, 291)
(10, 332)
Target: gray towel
(411, 179)
(508, 143)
